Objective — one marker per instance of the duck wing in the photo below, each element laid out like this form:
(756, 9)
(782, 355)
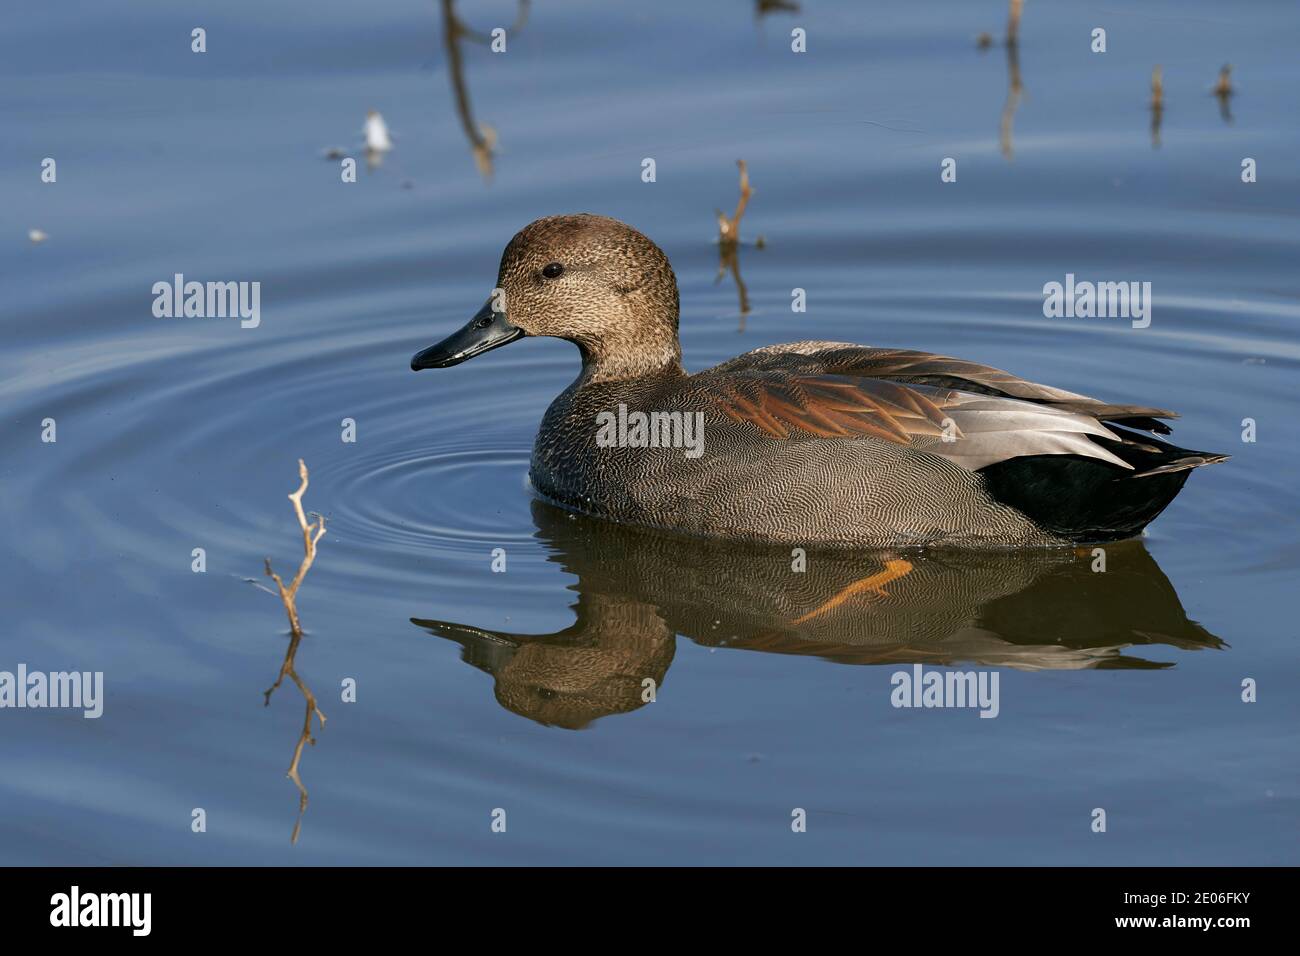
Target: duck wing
(971, 414)
(909, 366)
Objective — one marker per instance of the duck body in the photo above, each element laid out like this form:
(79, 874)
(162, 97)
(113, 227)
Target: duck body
(802, 445)
(815, 444)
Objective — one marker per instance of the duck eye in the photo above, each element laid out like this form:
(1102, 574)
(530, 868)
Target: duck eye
(553, 271)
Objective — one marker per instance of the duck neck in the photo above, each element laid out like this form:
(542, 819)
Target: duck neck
(612, 360)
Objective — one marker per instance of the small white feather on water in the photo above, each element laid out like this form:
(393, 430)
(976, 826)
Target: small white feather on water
(376, 130)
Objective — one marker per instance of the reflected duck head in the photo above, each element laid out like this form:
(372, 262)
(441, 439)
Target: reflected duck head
(612, 660)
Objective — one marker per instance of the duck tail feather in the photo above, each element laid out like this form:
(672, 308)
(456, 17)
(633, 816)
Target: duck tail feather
(1141, 422)
(1187, 462)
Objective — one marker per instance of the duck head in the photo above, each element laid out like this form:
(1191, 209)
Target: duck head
(592, 280)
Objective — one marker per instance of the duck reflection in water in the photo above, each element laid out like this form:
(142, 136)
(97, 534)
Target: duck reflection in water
(638, 589)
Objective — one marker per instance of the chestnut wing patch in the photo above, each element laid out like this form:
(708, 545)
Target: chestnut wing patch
(943, 371)
(833, 406)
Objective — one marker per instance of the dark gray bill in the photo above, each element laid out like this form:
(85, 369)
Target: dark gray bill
(486, 331)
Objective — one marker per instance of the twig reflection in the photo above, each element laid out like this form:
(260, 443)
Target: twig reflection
(1157, 104)
(1013, 22)
(1015, 89)
(1223, 91)
(306, 737)
(482, 138)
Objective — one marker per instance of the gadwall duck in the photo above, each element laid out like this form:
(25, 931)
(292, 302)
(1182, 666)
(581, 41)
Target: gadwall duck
(810, 443)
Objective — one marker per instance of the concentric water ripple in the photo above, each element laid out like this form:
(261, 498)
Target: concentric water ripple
(214, 454)
(433, 497)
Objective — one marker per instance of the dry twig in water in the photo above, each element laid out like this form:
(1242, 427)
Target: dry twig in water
(311, 535)
(729, 227)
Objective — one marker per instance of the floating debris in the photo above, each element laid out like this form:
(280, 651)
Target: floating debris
(763, 7)
(376, 132)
